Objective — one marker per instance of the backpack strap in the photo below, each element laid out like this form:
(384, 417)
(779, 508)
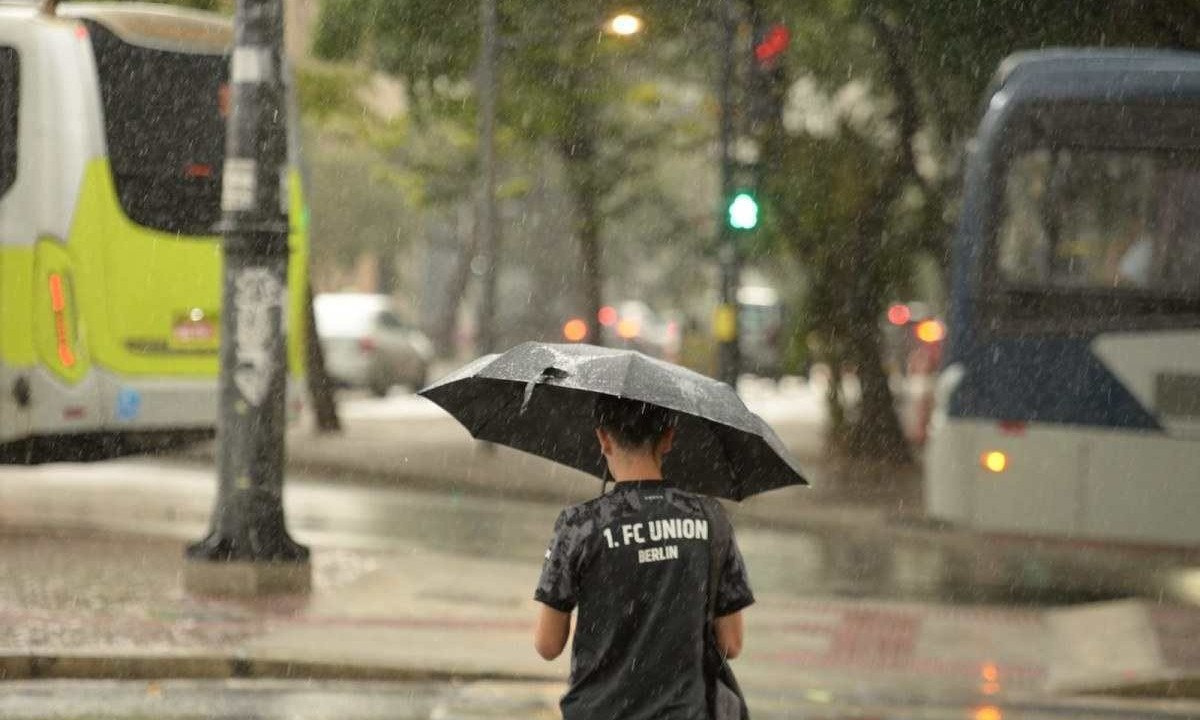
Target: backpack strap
(719, 532)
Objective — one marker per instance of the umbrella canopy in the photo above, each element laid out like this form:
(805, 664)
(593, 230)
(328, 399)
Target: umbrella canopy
(540, 398)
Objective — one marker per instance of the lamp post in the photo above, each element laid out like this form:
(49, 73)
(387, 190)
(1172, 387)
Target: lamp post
(248, 550)
(485, 224)
(725, 323)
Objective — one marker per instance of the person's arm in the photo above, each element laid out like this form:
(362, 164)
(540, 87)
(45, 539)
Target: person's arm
(556, 590)
(730, 630)
(551, 631)
(733, 596)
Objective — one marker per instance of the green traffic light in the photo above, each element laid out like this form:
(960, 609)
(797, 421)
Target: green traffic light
(743, 211)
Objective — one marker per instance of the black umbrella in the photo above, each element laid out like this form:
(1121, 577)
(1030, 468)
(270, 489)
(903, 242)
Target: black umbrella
(540, 397)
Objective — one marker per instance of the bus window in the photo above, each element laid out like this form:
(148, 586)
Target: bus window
(1101, 219)
(10, 85)
(165, 132)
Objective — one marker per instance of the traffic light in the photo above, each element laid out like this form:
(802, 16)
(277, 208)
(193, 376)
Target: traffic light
(772, 44)
(743, 211)
(768, 80)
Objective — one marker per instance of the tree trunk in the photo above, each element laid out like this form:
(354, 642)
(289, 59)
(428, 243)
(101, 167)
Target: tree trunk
(447, 324)
(385, 270)
(580, 156)
(320, 386)
(876, 433)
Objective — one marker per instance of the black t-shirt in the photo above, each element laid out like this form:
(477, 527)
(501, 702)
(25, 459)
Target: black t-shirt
(635, 562)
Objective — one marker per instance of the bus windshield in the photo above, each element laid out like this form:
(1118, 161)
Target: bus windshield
(1102, 219)
(164, 130)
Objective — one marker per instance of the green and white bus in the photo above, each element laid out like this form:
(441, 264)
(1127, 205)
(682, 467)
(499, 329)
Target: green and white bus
(112, 137)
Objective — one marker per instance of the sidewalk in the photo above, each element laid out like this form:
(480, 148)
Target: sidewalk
(77, 605)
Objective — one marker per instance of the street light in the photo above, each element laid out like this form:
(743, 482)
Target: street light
(625, 24)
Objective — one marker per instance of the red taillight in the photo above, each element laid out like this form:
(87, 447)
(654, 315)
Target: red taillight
(607, 316)
(58, 305)
(367, 345)
(1012, 427)
(198, 170)
(58, 301)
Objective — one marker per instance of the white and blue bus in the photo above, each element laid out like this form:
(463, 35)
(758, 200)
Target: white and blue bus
(1068, 405)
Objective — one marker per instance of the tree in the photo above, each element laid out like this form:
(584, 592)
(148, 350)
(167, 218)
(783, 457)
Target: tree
(565, 85)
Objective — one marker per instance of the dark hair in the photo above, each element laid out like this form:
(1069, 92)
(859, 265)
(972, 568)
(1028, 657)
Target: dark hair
(632, 423)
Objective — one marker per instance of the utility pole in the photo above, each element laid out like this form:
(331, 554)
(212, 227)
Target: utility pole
(248, 550)
(489, 241)
(725, 323)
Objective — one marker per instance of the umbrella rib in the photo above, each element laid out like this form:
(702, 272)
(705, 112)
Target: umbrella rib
(625, 377)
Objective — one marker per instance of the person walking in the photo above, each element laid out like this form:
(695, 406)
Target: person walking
(634, 566)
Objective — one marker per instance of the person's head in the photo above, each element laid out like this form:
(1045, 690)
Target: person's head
(630, 428)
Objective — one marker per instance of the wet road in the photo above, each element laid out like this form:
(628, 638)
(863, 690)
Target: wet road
(288, 700)
(150, 497)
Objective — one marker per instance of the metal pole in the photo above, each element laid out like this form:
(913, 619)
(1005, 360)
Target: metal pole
(489, 241)
(247, 522)
(726, 325)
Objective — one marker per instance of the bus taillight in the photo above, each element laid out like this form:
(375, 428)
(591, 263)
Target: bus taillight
(58, 304)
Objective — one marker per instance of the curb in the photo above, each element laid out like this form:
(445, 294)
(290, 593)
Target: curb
(75, 666)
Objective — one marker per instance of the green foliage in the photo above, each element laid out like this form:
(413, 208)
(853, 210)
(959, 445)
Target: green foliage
(601, 103)
(327, 92)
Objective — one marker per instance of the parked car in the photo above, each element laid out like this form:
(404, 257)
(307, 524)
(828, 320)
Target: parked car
(367, 344)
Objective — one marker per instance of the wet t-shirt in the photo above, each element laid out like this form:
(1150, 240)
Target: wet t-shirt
(635, 564)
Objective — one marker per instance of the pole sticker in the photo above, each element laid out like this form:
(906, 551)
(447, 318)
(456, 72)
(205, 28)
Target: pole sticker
(239, 184)
(250, 64)
(259, 304)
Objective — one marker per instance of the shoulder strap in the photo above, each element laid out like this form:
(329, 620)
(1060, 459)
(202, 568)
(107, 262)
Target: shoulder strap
(718, 534)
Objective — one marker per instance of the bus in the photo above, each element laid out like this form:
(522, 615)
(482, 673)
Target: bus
(112, 137)
(1068, 404)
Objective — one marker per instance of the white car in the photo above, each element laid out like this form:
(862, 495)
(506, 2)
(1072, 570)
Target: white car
(368, 345)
